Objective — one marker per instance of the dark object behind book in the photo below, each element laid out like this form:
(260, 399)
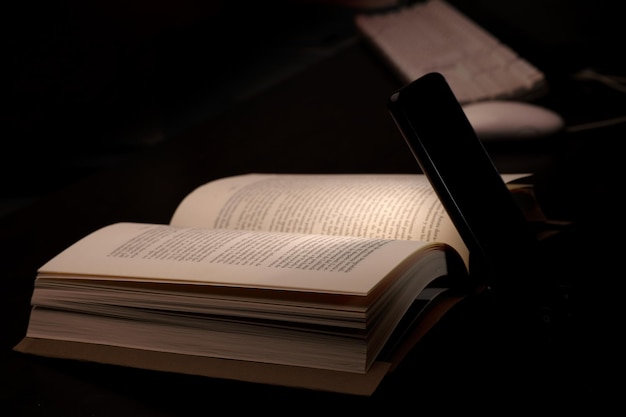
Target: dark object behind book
(504, 252)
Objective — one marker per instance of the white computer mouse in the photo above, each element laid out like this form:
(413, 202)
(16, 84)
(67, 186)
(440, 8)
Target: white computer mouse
(502, 120)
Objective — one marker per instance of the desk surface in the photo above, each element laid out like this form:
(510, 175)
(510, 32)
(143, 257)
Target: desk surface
(329, 118)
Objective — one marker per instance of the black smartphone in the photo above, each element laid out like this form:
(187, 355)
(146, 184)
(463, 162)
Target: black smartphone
(502, 244)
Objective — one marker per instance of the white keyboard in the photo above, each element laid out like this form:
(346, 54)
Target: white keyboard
(433, 36)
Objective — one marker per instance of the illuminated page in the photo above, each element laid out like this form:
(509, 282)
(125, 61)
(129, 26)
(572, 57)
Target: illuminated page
(237, 258)
(385, 206)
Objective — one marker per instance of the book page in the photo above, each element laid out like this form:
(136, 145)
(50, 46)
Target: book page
(389, 206)
(238, 258)
(386, 206)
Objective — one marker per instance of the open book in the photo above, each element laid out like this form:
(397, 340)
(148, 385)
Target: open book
(334, 276)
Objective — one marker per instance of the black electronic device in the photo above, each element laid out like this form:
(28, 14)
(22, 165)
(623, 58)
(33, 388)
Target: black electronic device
(504, 250)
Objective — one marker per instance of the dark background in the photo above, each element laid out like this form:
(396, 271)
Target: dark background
(86, 84)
